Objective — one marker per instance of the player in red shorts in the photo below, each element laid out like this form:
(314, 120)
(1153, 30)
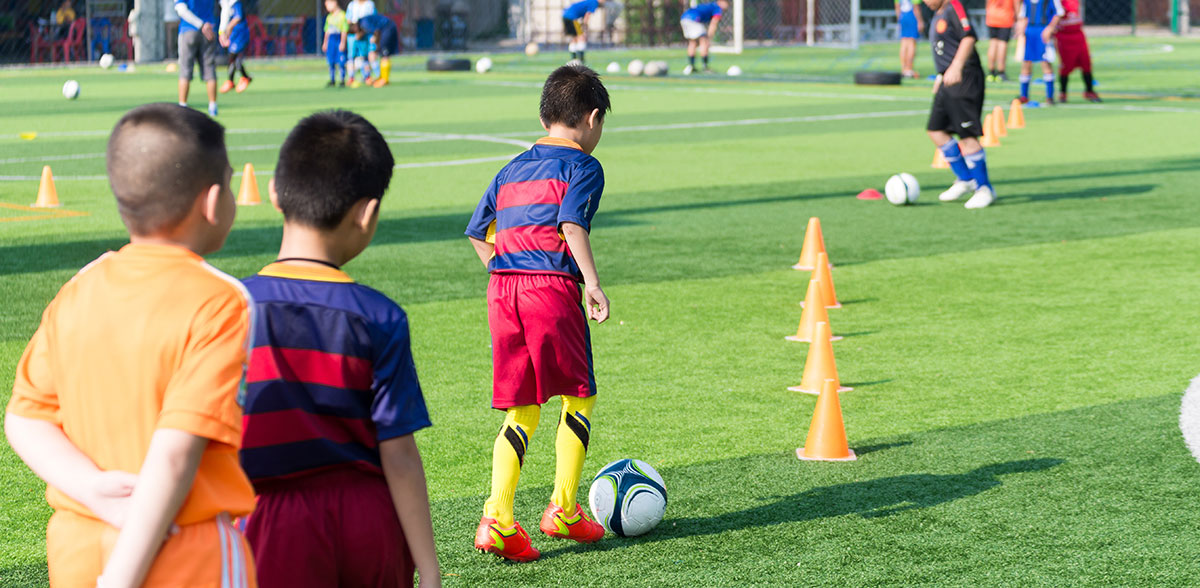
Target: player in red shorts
(531, 231)
(1073, 51)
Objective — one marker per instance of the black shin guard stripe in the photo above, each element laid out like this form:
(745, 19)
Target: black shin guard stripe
(578, 428)
(514, 439)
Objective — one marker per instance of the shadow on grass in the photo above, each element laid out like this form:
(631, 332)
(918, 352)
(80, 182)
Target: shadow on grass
(869, 499)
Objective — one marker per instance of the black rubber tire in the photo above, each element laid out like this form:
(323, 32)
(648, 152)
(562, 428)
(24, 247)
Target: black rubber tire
(442, 64)
(877, 78)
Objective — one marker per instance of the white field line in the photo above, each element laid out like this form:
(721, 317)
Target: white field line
(105, 132)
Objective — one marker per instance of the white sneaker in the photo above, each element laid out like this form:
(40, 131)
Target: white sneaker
(982, 198)
(957, 191)
(688, 70)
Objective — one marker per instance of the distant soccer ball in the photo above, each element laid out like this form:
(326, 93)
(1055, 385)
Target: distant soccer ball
(902, 189)
(636, 67)
(71, 90)
(613, 67)
(532, 49)
(484, 65)
(628, 497)
(652, 69)
(106, 60)
(734, 71)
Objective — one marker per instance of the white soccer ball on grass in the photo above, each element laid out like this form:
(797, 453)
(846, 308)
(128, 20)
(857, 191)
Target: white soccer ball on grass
(636, 67)
(902, 189)
(613, 68)
(70, 90)
(628, 497)
(532, 49)
(734, 71)
(484, 65)
(106, 60)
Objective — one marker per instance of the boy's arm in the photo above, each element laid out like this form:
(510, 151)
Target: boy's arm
(712, 27)
(594, 299)
(406, 482)
(953, 73)
(483, 249)
(163, 483)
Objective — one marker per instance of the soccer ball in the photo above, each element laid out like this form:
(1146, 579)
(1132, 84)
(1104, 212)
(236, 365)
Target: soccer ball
(636, 67)
(71, 90)
(652, 69)
(734, 71)
(532, 49)
(628, 497)
(902, 189)
(106, 60)
(484, 65)
(613, 68)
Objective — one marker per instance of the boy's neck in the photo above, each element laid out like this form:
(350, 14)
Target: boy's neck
(302, 242)
(168, 240)
(560, 131)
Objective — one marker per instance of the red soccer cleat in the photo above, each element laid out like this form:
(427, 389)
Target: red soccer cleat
(1023, 99)
(511, 543)
(227, 86)
(1091, 97)
(579, 528)
(243, 84)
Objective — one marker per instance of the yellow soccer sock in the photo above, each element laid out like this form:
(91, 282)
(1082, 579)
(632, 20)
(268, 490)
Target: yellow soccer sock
(574, 431)
(385, 69)
(508, 454)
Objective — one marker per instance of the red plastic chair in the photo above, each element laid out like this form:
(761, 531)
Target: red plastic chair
(292, 37)
(258, 36)
(73, 42)
(39, 46)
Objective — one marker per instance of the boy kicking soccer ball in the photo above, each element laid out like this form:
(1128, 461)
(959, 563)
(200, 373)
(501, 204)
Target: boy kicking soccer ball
(531, 231)
(958, 102)
(1037, 21)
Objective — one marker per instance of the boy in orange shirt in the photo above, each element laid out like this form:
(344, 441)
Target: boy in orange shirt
(137, 367)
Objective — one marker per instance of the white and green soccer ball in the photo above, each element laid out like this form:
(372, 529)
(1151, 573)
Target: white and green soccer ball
(484, 65)
(635, 67)
(70, 90)
(613, 68)
(628, 497)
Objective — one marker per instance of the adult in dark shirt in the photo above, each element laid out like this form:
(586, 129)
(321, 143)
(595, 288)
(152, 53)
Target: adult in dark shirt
(958, 102)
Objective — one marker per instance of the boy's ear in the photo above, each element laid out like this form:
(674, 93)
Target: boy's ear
(593, 118)
(273, 195)
(211, 204)
(366, 214)
(544, 125)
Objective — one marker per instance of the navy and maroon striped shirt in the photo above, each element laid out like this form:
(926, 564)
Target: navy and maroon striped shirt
(551, 183)
(331, 375)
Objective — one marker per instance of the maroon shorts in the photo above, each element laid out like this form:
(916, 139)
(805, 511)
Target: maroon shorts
(337, 528)
(540, 341)
(1073, 53)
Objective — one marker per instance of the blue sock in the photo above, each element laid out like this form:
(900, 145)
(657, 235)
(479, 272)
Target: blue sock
(342, 71)
(1024, 85)
(332, 72)
(957, 164)
(978, 169)
(375, 68)
(1048, 79)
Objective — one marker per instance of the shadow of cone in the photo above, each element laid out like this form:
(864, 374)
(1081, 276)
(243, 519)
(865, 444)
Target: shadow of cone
(939, 160)
(989, 138)
(47, 194)
(827, 434)
(819, 365)
(998, 122)
(814, 313)
(249, 193)
(1016, 115)
(814, 244)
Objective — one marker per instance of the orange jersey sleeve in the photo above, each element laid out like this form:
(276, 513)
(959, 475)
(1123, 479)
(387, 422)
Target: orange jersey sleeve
(34, 395)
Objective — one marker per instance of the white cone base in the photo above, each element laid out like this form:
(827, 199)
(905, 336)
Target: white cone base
(803, 340)
(36, 205)
(816, 392)
(806, 268)
(800, 454)
(838, 305)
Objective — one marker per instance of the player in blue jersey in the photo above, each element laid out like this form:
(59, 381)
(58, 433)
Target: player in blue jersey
(382, 33)
(699, 26)
(334, 44)
(234, 36)
(531, 231)
(1037, 20)
(332, 397)
(575, 21)
(197, 46)
(912, 26)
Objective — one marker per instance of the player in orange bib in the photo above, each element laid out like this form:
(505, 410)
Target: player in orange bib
(1001, 16)
(137, 367)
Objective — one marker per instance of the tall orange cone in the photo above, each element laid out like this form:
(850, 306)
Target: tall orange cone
(819, 365)
(827, 433)
(1016, 115)
(998, 121)
(814, 243)
(47, 195)
(939, 160)
(823, 273)
(989, 138)
(249, 194)
(813, 313)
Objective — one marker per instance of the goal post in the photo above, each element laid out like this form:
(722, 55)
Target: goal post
(768, 23)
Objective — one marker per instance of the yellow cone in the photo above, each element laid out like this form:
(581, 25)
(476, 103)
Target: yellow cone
(249, 194)
(47, 195)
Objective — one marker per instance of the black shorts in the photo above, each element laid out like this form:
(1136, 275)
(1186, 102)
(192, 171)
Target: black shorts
(957, 109)
(571, 27)
(1000, 33)
(389, 43)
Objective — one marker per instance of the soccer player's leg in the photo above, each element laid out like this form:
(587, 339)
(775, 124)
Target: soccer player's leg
(564, 517)
(389, 43)
(228, 85)
(966, 114)
(939, 129)
(1048, 80)
(1035, 51)
(498, 531)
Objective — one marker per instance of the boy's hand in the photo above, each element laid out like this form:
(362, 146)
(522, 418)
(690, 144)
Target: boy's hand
(325, 45)
(110, 492)
(596, 303)
(953, 75)
(1046, 34)
(224, 40)
(207, 31)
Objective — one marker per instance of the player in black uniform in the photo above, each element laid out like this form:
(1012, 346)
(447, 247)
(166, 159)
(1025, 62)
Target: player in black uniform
(958, 102)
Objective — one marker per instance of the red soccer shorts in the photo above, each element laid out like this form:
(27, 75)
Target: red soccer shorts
(540, 341)
(1073, 51)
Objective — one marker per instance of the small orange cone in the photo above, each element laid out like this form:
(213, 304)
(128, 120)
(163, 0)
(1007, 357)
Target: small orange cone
(998, 121)
(939, 160)
(989, 138)
(814, 243)
(814, 312)
(1016, 116)
(47, 195)
(819, 365)
(822, 273)
(249, 194)
(827, 433)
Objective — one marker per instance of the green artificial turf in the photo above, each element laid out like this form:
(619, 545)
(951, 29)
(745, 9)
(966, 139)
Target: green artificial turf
(1017, 370)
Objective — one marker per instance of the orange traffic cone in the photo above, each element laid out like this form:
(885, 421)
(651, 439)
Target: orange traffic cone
(1016, 116)
(813, 313)
(819, 365)
(827, 433)
(939, 160)
(989, 138)
(822, 273)
(47, 195)
(998, 122)
(249, 194)
(814, 243)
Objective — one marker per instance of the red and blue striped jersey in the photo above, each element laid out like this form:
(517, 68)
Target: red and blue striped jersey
(552, 183)
(331, 375)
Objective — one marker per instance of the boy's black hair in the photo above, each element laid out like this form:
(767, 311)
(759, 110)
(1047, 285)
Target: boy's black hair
(570, 94)
(330, 161)
(160, 157)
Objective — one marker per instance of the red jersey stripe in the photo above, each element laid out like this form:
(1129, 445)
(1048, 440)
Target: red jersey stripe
(549, 191)
(309, 366)
(962, 15)
(295, 425)
(529, 238)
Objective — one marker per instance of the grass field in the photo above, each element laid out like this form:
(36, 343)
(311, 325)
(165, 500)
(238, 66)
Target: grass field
(1017, 370)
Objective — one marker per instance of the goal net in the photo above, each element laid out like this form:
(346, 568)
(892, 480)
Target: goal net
(757, 23)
